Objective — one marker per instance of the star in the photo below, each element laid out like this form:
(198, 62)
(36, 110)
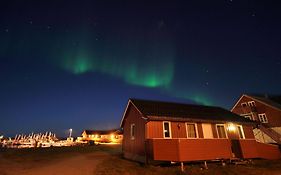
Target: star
(7, 30)
(30, 22)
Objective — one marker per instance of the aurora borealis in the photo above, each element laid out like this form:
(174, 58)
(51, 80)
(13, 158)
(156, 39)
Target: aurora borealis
(72, 64)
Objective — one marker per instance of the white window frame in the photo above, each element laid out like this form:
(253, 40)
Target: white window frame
(170, 131)
(242, 131)
(252, 103)
(245, 103)
(248, 115)
(133, 127)
(263, 118)
(196, 130)
(224, 131)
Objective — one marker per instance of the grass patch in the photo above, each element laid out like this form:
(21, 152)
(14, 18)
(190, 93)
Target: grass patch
(52, 153)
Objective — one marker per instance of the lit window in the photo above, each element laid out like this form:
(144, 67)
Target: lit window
(133, 127)
(251, 103)
(241, 132)
(221, 131)
(263, 118)
(191, 130)
(244, 104)
(166, 129)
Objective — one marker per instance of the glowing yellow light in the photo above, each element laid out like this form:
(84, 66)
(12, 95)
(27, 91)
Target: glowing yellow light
(231, 127)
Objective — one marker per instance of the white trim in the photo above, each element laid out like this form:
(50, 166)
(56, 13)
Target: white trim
(242, 130)
(237, 102)
(170, 131)
(131, 131)
(255, 100)
(124, 113)
(196, 130)
(244, 103)
(248, 114)
(123, 117)
(264, 117)
(224, 131)
(252, 103)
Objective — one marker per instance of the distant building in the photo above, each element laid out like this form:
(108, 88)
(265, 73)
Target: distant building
(266, 111)
(164, 131)
(103, 136)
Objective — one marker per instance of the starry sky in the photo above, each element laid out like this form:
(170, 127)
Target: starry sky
(74, 64)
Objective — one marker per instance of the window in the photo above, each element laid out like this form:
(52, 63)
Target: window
(251, 103)
(191, 130)
(244, 104)
(240, 132)
(221, 131)
(167, 129)
(263, 118)
(248, 116)
(133, 128)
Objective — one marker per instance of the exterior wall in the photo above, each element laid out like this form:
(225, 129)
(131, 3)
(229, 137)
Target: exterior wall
(134, 148)
(249, 148)
(253, 149)
(268, 151)
(273, 115)
(189, 149)
(154, 129)
(248, 131)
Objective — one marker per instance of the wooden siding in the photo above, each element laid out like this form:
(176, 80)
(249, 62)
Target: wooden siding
(189, 149)
(273, 115)
(268, 151)
(133, 146)
(248, 132)
(154, 129)
(249, 148)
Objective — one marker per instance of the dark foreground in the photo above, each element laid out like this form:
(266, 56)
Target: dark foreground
(106, 159)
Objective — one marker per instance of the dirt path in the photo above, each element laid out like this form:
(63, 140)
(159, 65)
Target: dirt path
(83, 164)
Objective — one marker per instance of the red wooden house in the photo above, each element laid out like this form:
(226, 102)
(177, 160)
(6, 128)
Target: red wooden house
(164, 131)
(265, 111)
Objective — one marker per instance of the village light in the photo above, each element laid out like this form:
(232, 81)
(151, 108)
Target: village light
(231, 127)
(70, 132)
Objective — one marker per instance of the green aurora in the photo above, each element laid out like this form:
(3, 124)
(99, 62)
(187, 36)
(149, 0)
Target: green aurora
(148, 65)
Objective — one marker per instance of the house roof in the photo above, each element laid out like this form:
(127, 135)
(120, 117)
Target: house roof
(102, 132)
(272, 100)
(170, 110)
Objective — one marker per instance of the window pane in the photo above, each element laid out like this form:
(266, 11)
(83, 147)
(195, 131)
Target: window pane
(166, 129)
(191, 131)
(240, 132)
(133, 131)
(221, 131)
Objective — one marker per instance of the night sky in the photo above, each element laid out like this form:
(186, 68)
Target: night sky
(74, 64)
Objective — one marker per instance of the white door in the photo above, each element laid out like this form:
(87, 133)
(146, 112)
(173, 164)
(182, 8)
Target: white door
(207, 130)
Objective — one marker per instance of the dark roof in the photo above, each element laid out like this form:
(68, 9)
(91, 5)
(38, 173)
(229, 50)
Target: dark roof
(186, 111)
(272, 100)
(103, 132)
